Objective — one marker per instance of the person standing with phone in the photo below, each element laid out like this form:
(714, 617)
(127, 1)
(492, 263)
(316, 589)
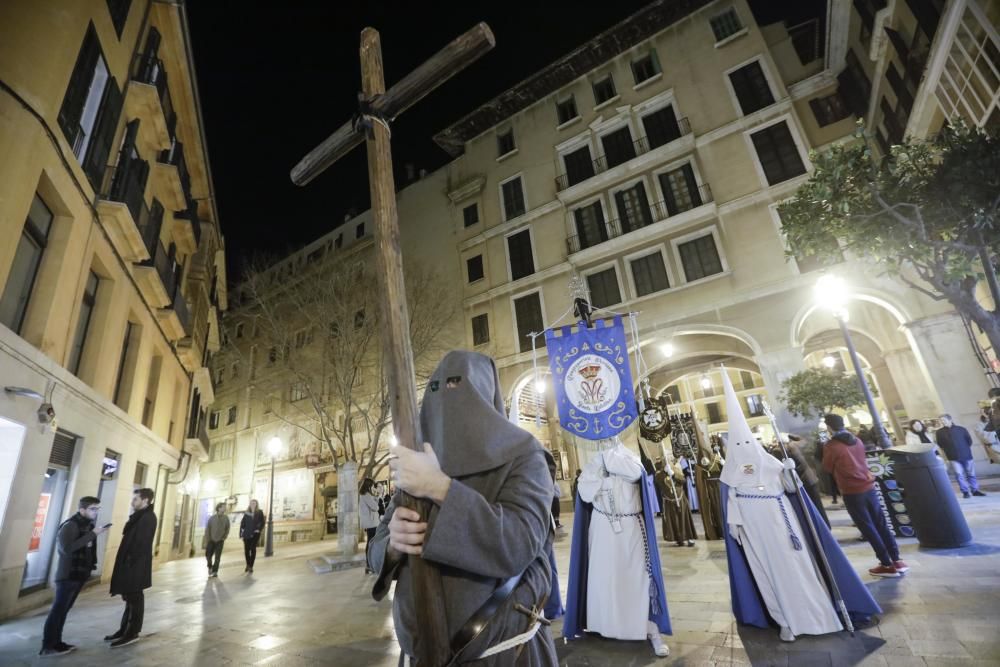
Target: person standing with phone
(76, 544)
(133, 571)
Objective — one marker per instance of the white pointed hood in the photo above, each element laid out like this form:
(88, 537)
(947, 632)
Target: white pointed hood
(747, 464)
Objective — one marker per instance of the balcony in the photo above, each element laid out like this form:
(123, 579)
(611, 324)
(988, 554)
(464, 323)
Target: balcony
(187, 228)
(148, 97)
(175, 318)
(190, 355)
(156, 276)
(196, 437)
(658, 212)
(172, 176)
(602, 164)
(122, 207)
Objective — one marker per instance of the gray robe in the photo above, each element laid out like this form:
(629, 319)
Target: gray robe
(508, 508)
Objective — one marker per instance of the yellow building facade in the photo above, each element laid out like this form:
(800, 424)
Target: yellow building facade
(112, 277)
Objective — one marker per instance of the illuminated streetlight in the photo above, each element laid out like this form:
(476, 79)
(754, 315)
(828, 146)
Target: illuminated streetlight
(706, 382)
(829, 361)
(667, 349)
(540, 386)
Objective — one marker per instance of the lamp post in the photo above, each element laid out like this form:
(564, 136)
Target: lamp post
(831, 292)
(273, 448)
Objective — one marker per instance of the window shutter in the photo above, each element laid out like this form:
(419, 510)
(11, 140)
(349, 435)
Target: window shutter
(79, 85)
(692, 185)
(668, 194)
(96, 159)
(63, 445)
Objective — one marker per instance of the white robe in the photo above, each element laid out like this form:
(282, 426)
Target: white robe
(617, 580)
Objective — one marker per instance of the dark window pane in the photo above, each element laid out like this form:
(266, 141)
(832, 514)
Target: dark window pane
(618, 147)
(519, 250)
(714, 413)
(119, 14)
(24, 269)
(579, 165)
(83, 322)
(474, 267)
(470, 214)
(603, 288)
(778, 154)
(359, 231)
(566, 110)
(505, 142)
(645, 68)
(513, 198)
(633, 208)
(661, 126)
(829, 109)
(480, 329)
(78, 91)
(649, 274)
(604, 90)
(528, 313)
(725, 24)
(680, 190)
(746, 379)
(590, 227)
(751, 88)
(700, 258)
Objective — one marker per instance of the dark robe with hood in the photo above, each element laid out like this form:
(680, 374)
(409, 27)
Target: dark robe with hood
(494, 523)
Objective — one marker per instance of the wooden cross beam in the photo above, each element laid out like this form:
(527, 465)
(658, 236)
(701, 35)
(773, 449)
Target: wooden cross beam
(381, 106)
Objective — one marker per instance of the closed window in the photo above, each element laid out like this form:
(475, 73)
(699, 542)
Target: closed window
(714, 413)
(83, 322)
(661, 126)
(725, 24)
(470, 215)
(618, 147)
(751, 88)
(480, 329)
(778, 155)
(231, 416)
(139, 477)
(505, 142)
(603, 287)
(522, 263)
(579, 165)
(645, 68)
(590, 227)
(566, 110)
(24, 270)
(604, 90)
(474, 268)
(513, 198)
(746, 379)
(700, 258)
(649, 274)
(829, 109)
(633, 208)
(528, 314)
(755, 405)
(297, 392)
(680, 190)
(213, 419)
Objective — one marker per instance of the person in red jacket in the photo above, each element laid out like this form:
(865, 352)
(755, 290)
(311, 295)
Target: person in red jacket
(844, 458)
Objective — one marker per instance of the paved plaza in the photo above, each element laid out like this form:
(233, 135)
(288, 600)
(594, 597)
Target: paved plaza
(945, 611)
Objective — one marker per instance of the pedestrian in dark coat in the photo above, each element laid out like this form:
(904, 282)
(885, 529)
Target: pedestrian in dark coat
(76, 543)
(956, 443)
(251, 526)
(133, 571)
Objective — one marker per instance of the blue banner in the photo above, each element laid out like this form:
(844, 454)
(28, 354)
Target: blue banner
(592, 379)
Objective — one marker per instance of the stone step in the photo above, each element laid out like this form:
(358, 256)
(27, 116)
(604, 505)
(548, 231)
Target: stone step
(333, 562)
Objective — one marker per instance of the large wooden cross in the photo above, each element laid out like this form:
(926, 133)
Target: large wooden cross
(379, 107)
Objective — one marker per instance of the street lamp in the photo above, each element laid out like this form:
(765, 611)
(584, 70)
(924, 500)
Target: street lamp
(273, 448)
(706, 382)
(829, 360)
(539, 386)
(667, 349)
(832, 292)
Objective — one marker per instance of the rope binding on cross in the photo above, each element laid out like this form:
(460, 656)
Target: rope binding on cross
(366, 116)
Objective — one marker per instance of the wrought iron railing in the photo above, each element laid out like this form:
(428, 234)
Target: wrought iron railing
(149, 69)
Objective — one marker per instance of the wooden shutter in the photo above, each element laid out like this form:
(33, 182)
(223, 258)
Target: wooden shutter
(692, 185)
(79, 85)
(96, 160)
(668, 193)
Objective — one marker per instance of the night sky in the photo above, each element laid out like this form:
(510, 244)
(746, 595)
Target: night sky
(276, 78)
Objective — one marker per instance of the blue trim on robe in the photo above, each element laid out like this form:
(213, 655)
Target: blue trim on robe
(575, 621)
(553, 606)
(748, 605)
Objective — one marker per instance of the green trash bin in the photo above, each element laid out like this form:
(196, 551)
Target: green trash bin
(931, 502)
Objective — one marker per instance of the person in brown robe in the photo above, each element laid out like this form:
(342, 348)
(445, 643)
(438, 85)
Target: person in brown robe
(678, 526)
(711, 513)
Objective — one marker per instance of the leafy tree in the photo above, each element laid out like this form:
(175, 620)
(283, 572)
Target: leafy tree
(816, 391)
(928, 214)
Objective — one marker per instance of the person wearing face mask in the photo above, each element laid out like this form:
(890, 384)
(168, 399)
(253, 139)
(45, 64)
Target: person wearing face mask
(956, 443)
(916, 433)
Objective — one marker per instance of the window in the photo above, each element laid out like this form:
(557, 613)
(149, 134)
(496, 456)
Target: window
(700, 258)
(778, 155)
(90, 109)
(725, 24)
(661, 127)
(566, 110)
(590, 226)
(829, 109)
(645, 68)
(513, 198)
(604, 90)
(83, 322)
(221, 450)
(603, 287)
(674, 392)
(855, 86)
(633, 208)
(122, 364)
(213, 419)
(239, 330)
(755, 405)
(528, 314)
(618, 147)
(522, 263)
(470, 215)
(751, 88)
(24, 270)
(474, 268)
(359, 319)
(746, 379)
(220, 375)
(505, 142)
(339, 241)
(649, 274)
(119, 14)
(359, 231)
(139, 477)
(680, 190)
(231, 415)
(714, 413)
(579, 165)
(297, 392)
(480, 329)
(234, 370)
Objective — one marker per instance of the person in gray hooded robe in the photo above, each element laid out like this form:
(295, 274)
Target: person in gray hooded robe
(491, 491)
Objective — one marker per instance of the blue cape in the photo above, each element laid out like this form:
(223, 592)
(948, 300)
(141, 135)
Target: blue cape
(748, 605)
(576, 596)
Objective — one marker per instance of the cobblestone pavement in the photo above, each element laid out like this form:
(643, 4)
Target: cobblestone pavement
(945, 611)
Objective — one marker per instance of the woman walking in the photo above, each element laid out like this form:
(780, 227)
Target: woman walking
(250, 527)
(368, 509)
